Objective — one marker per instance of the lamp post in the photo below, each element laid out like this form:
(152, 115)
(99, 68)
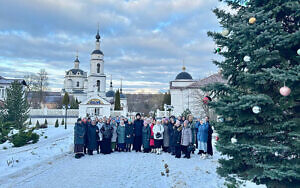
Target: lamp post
(66, 113)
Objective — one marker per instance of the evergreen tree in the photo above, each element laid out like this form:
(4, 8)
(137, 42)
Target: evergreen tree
(66, 100)
(259, 44)
(16, 105)
(166, 100)
(74, 103)
(30, 123)
(117, 101)
(186, 113)
(56, 123)
(46, 122)
(62, 121)
(37, 125)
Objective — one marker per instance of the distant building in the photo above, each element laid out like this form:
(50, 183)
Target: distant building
(186, 93)
(90, 89)
(5, 83)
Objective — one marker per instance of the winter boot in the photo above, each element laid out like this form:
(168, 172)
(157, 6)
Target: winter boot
(77, 156)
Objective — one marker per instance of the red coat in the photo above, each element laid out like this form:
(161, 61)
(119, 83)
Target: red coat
(152, 135)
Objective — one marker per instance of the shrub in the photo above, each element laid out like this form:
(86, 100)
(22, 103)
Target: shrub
(37, 125)
(4, 130)
(56, 123)
(23, 138)
(43, 126)
(62, 122)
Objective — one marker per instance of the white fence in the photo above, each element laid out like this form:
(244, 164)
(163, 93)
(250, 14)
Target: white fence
(53, 112)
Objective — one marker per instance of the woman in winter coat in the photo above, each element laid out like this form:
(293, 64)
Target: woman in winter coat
(79, 132)
(202, 137)
(85, 137)
(129, 135)
(186, 139)
(93, 132)
(177, 139)
(171, 135)
(192, 125)
(152, 146)
(210, 131)
(114, 135)
(100, 125)
(146, 133)
(166, 142)
(106, 131)
(121, 136)
(158, 131)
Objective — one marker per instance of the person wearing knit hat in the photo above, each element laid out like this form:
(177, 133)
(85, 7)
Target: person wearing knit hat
(158, 131)
(79, 132)
(93, 137)
(166, 142)
(138, 126)
(129, 138)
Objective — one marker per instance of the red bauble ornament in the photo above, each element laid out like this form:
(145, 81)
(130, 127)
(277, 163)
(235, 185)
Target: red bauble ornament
(206, 99)
(217, 138)
(285, 91)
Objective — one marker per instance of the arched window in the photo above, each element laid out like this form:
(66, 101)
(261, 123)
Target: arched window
(77, 84)
(98, 68)
(98, 85)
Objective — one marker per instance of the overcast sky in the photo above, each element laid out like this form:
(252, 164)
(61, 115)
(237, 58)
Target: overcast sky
(143, 41)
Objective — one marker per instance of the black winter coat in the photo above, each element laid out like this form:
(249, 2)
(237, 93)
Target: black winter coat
(85, 133)
(171, 133)
(107, 131)
(209, 144)
(129, 133)
(177, 136)
(138, 127)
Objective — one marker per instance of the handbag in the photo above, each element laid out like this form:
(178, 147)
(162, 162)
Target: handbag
(158, 135)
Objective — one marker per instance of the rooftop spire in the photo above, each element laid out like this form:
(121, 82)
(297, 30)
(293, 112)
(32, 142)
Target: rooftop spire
(97, 35)
(76, 61)
(183, 67)
(111, 87)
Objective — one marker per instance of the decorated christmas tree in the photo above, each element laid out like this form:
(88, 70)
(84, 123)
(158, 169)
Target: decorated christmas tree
(260, 128)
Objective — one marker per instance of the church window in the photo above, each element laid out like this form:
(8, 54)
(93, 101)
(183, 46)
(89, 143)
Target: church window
(98, 85)
(98, 68)
(77, 84)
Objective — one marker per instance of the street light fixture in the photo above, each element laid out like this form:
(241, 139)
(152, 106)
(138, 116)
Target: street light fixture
(66, 113)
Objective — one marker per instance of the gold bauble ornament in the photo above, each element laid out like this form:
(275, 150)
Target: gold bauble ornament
(252, 20)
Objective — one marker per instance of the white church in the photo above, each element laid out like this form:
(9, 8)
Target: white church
(90, 89)
(186, 93)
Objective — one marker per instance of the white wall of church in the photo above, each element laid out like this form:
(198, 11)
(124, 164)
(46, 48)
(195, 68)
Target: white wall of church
(92, 84)
(94, 64)
(182, 99)
(182, 83)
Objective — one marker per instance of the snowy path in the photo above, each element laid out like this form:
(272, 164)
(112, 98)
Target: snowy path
(50, 163)
(57, 143)
(122, 170)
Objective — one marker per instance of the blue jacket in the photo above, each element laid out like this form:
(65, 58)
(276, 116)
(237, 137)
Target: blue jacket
(202, 133)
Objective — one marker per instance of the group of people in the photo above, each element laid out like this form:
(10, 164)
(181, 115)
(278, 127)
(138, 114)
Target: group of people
(172, 135)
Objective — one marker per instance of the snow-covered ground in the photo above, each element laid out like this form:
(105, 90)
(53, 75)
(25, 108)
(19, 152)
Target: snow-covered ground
(51, 163)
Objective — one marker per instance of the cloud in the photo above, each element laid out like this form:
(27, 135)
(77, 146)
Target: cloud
(144, 41)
